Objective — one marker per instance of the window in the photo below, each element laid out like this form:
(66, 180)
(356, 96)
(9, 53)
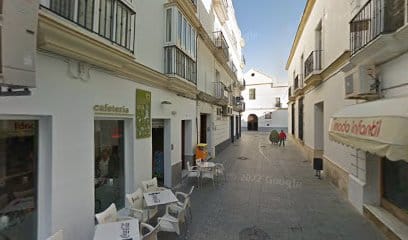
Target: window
(183, 37)
(168, 24)
(109, 164)
(193, 43)
(105, 18)
(252, 94)
(278, 102)
(179, 28)
(18, 175)
(395, 183)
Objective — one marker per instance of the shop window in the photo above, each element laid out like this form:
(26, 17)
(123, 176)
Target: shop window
(395, 183)
(109, 164)
(18, 179)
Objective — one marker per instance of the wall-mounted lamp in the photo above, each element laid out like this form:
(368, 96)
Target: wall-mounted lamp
(166, 102)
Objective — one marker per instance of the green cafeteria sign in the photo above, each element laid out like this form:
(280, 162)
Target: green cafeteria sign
(143, 114)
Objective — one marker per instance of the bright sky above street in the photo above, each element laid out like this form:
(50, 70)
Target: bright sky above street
(268, 27)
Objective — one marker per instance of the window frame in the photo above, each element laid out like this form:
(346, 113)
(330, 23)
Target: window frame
(252, 95)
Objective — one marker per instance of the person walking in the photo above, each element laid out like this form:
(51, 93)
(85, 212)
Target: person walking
(282, 138)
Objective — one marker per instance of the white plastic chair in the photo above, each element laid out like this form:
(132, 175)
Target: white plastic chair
(109, 215)
(220, 170)
(185, 199)
(208, 173)
(152, 234)
(169, 223)
(137, 209)
(57, 236)
(193, 172)
(152, 186)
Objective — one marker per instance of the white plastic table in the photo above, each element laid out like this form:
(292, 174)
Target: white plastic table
(206, 164)
(123, 230)
(159, 198)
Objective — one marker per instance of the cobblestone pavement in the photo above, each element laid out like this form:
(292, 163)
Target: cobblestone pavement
(271, 193)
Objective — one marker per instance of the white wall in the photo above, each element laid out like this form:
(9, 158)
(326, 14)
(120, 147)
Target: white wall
(335, 18)
(69, 103)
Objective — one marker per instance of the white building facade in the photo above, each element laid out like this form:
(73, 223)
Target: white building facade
(345, 101)
(97, 96)
(265, 103)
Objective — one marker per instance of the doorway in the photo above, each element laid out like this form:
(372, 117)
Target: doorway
(319, 126)
(186, 142)
(237, 132)
(158, 150)
(300, 127)
(183, 144)
(293, 119)
(232, 129)
(252, 122)
(203, 128)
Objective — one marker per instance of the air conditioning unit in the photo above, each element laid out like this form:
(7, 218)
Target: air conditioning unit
(227, 111)
(361, 84)
(18, 35)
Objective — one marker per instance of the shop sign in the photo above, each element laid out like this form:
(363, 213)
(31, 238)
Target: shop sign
(143, 114)
(358, 127)
(110, 109)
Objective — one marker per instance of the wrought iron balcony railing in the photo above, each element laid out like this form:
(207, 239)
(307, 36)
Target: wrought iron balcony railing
(116, 21)
(221, 43)
(313, 63)
(376, 17)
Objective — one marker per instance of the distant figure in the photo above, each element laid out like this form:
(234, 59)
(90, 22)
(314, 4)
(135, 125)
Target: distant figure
(282, 138)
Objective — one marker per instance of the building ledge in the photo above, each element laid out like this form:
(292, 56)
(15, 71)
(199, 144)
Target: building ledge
(182, 87)
(60, 36)
(314, 79)
(390, 225)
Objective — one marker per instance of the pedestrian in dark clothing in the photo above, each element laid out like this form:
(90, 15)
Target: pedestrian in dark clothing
(282, 138)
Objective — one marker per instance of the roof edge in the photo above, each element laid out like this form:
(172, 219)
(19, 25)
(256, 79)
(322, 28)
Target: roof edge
(306, 13)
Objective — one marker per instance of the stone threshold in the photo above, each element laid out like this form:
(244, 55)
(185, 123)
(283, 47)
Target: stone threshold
(392, 227)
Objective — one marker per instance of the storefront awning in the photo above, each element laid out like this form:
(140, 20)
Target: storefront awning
(379, 127)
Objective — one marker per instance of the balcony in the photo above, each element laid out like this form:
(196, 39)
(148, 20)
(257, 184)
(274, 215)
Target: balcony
(221, 9)
(220, 93)
(118, 31)
(298, 85)
(379, 31)
(313, 67)
(221, 45)
(177, 63)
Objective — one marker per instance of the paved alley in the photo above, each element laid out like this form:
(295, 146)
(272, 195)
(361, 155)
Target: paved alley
(271, 193)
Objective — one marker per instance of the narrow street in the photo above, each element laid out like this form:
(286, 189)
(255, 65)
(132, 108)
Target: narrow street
(271, 193)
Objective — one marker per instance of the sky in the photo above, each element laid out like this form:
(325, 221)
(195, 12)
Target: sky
(268, 27)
